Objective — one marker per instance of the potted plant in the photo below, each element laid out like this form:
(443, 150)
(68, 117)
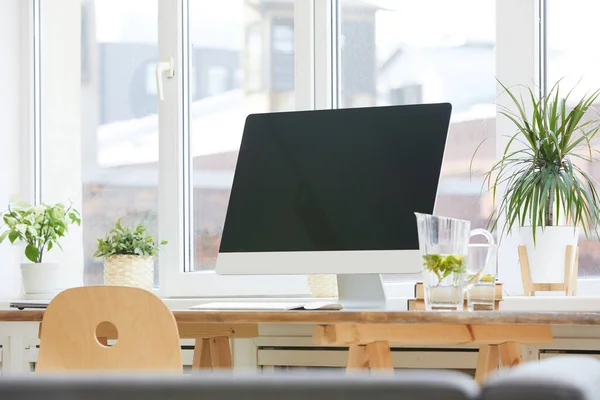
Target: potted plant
(40, 228)
(128, 256)
(548, 195)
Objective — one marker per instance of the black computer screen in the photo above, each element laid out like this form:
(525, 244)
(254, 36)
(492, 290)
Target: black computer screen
(330, 180)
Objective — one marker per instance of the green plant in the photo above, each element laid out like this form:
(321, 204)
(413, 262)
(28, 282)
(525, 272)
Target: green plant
(543, 183)
(123, 240)
(443, 265)
(40, 227)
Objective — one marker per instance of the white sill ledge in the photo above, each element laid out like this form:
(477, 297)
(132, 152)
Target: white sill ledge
(400, 292)
(509, 303)
(551, 303)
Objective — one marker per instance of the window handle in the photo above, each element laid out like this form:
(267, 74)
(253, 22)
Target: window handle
(167, 69)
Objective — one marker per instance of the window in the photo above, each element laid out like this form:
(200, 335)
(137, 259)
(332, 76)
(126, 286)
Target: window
(240, 67)
(218, 80)
(394, 55)
(111, 146)
(217, 35)
(119, 127)
(151, 79)
(569, 59)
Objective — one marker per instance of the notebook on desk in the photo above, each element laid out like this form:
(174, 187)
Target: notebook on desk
(272, 306)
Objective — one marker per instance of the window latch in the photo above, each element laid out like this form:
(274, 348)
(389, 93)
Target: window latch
(166, 69)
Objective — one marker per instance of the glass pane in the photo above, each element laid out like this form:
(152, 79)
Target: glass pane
(429, 51)
(242, 62)
(572, 60)
(119, 120)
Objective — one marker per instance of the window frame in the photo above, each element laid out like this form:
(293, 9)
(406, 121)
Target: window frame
(54, 51)
(518, 38)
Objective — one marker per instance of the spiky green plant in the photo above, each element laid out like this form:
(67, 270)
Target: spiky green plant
(539, 167)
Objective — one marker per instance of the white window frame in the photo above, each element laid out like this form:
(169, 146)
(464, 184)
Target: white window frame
(51, 119)
(518, 39)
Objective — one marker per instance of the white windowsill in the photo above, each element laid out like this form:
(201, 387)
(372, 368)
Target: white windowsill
(396, 304)
(400, 292)
(509, 303)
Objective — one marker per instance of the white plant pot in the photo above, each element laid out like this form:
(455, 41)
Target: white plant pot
(547, 258)
(40, 280)
(128, 270)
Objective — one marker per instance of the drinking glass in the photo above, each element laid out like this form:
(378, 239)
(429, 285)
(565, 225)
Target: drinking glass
(482, 268)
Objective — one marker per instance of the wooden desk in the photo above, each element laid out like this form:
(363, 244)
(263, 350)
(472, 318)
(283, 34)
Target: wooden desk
(368, 334)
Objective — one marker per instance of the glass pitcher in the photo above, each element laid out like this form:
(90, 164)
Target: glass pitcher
(444, 243)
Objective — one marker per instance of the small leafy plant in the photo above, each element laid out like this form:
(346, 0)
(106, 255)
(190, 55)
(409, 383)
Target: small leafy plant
(40, 227)
(124, 240)
(539, 168)
(444, 265)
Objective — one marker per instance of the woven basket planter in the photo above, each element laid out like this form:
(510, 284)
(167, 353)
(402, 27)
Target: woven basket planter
(128, 270)
(323, 286)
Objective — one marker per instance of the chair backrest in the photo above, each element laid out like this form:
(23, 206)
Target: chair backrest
(147, 334)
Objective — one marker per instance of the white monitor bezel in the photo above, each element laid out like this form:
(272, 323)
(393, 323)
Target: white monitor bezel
(320, 262)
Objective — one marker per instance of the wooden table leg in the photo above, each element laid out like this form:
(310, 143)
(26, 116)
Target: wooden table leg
(202, 354)
(380, 357)
(510, 354)
(357, 358)
(487, 361)
(220, 352)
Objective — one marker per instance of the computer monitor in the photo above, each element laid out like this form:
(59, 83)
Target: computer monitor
(334, 192)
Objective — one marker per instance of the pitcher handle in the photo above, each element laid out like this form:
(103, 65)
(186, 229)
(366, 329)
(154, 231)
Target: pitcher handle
(482, 232)
(491, 242)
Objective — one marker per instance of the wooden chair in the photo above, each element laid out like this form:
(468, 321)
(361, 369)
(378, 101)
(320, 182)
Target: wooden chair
(78, 322)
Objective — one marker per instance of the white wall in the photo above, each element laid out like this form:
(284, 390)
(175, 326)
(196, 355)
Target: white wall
(11, 130)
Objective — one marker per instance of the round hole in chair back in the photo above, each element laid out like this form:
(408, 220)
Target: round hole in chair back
(105, 331)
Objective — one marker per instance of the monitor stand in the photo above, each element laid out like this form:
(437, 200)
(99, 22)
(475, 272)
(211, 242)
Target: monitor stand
(361, 292)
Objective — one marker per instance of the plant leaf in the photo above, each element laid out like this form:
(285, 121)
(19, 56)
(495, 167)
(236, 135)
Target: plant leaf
(13, 236)
(32, 253)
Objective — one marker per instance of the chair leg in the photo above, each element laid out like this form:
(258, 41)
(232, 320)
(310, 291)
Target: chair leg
(487, 361)
(220, 352)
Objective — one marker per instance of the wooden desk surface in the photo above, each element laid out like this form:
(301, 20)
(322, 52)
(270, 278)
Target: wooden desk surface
(357, 317)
